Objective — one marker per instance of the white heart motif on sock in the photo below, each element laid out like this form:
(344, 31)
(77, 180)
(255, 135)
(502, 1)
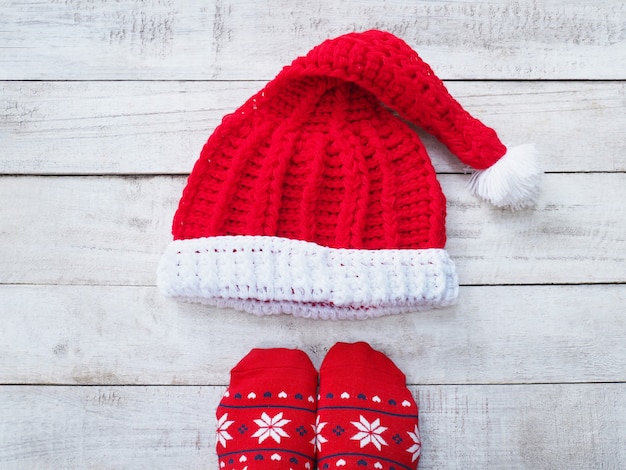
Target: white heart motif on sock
(341, 463)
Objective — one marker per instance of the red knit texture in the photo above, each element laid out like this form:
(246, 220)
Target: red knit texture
(366, 415)
(387, 67)
(266, 417)
(315, 156)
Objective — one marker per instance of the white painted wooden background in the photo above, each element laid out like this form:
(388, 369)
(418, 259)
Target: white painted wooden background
(104, 107)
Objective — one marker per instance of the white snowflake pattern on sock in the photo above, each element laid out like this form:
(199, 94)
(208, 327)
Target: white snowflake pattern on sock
(271, 427)
(369, 433)
(416, 448)
(222, 434)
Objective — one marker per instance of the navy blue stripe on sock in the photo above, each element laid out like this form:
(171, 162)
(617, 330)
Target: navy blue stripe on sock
(369, 456)
(371, 410)
(276, 450)
(249, 407)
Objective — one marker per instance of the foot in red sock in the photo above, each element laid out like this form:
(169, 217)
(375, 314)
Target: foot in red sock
(366, 418)
(266, 418)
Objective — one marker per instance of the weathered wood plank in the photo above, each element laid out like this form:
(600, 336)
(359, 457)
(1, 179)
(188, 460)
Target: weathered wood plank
(160, 127)
(108, 427)
(575, 426)
(239, 39)
(124, 335)
(112, 230)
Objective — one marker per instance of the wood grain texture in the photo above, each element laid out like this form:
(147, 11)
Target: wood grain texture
(98, 370)
(243, 40)
(575, 426)
(112, 231)
(160, 127)
(124, 335)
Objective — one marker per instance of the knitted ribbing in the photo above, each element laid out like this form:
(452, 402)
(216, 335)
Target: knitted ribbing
(268, 275)
(320, 162)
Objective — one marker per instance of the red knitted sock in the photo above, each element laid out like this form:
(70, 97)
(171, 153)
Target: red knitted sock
(366, 416)
(266, 417)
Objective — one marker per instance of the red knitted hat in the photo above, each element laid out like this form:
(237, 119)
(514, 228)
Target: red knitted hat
(315, 198)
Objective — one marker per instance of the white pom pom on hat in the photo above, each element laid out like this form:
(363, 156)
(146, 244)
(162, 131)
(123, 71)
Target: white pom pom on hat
(513, 181)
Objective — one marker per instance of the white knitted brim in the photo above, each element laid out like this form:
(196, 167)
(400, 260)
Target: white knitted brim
(269, 275)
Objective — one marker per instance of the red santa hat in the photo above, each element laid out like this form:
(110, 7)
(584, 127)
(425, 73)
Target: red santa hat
(316, 198)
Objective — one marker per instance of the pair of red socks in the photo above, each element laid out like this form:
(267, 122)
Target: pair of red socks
(274, 417)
